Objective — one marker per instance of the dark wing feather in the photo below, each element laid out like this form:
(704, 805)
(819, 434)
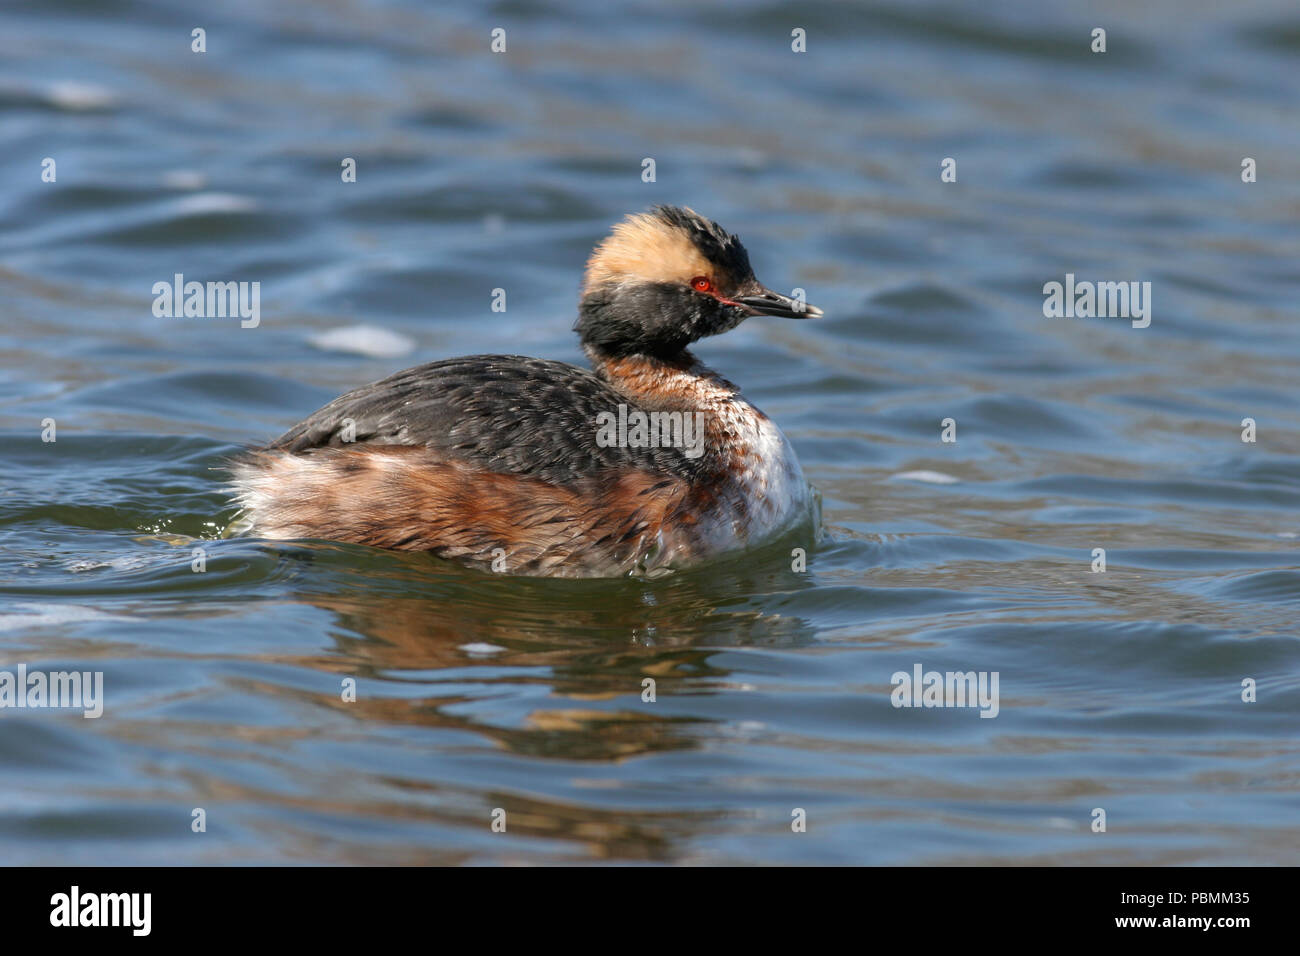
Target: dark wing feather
(504, 413)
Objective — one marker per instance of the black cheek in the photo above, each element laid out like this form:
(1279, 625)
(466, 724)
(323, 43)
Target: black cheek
(720, 317)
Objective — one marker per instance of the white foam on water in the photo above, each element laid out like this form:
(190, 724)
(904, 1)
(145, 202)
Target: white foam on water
(202, 204)
(929, 477)
(72, 95)
(480, 649)
(368, 340)
(52, 615)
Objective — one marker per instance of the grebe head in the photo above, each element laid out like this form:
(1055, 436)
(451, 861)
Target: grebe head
(664, 279)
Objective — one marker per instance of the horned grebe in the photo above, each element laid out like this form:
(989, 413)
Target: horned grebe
(516, 464)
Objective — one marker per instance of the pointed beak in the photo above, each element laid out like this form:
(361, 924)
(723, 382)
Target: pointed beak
(767, 302)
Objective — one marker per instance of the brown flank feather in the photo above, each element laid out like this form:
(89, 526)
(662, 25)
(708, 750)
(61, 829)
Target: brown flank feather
(403, 498)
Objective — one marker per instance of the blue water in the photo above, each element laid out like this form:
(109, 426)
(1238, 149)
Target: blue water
(223, 690)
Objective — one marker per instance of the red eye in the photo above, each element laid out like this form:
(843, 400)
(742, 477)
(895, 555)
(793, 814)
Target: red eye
(701, 284)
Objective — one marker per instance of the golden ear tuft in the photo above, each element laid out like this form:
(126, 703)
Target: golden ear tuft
(644, 247)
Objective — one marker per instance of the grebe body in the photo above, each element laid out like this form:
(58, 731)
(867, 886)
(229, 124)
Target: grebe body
(646, 463)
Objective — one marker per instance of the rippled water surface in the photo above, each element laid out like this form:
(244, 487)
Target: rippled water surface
(1119, 690)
